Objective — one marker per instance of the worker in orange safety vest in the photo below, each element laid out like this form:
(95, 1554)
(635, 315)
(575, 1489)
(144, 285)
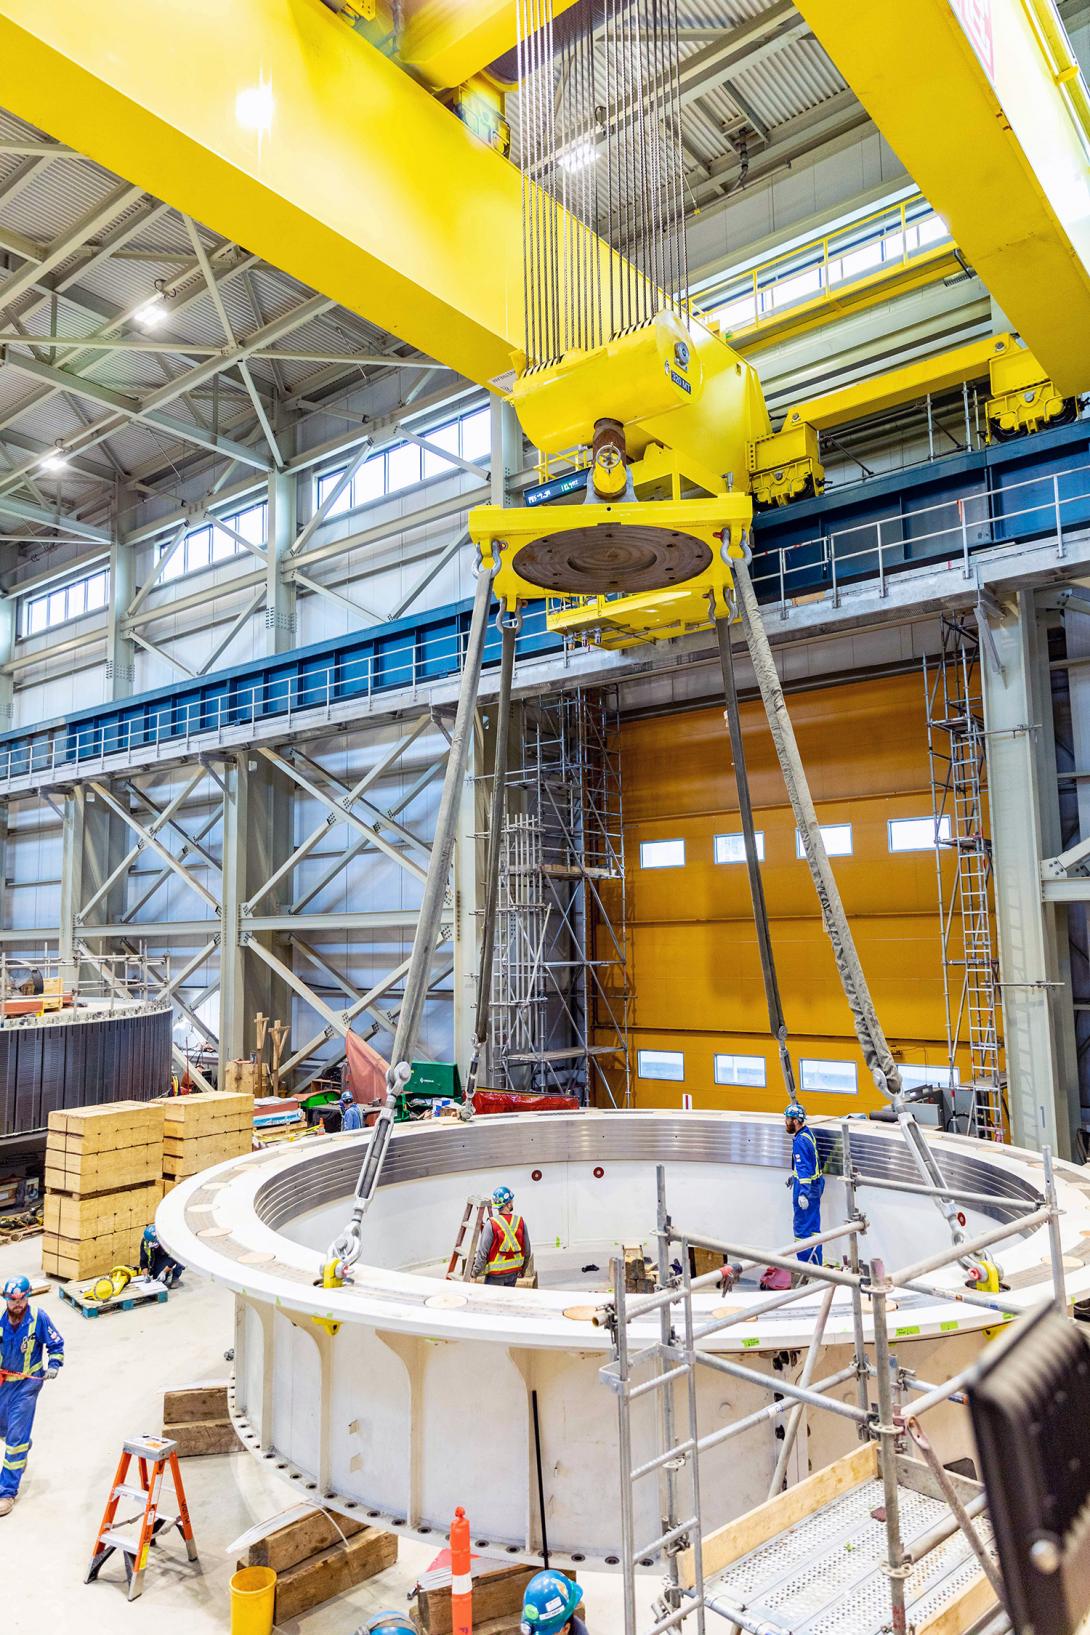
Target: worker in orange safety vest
(504, 1248)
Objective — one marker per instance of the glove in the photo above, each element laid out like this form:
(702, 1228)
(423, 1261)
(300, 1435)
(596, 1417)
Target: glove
(804, 1202)
(51, 1373)
(789, 1182)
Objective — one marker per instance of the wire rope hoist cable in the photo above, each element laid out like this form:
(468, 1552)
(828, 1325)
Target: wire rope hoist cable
(345, 1249)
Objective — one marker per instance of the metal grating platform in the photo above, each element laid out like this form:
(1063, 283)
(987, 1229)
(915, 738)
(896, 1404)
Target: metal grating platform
(825, 1576)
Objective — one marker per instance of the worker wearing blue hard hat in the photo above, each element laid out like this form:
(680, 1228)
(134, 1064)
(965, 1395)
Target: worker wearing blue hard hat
(388, 1623)
(503, 1251)
(31, 1352)
(351, 1117)
(155, 1262)
(548, 1606)
(807, 1182)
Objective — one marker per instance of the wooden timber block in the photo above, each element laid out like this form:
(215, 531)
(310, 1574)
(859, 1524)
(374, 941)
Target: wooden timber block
(298, 1540)
(83, 1175)
(188, 1404)
(251, 1077)
(205, 1110)
(705, 1260)
(637, 1279)
(333, 1571)
(203, 1436)
(81, 1217)
(104, 1127)
(497, 1594)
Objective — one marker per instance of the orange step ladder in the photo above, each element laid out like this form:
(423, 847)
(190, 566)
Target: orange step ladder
(460, 1265)
(155, 1457)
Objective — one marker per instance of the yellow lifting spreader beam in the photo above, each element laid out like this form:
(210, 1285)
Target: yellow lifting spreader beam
(988, 112)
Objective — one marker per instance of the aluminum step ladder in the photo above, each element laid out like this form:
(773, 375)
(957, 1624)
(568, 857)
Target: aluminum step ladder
(155, 1457)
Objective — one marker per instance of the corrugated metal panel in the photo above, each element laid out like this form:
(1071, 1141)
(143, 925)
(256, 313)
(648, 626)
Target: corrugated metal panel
(790, 82)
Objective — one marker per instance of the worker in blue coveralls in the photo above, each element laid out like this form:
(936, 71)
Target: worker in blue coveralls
(807, 1183)
(351, 1116)
(31, 1352)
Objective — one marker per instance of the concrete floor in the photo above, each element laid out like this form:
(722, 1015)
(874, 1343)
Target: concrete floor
(116, 1370)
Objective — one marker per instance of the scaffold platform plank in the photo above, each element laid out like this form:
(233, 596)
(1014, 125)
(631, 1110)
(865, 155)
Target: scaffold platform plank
(823, 1572)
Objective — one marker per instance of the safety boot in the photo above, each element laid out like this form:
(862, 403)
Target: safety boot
(7, 1505)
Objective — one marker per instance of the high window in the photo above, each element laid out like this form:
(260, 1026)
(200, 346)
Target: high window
(917, 834)
(392, 469)
(732, 848)
(63, 602)
(212, 543)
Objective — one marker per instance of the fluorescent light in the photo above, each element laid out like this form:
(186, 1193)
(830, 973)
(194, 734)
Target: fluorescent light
(152, 313)
(254, 107)
(55, 462)
(578, 155)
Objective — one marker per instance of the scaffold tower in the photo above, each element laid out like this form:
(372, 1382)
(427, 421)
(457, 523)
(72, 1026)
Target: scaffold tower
(560, 993)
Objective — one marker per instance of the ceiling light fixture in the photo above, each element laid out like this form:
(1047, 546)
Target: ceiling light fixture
(56, 461)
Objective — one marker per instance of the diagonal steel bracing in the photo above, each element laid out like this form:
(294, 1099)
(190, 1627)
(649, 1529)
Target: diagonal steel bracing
(149, 838)
(395, 853)
(393, 754)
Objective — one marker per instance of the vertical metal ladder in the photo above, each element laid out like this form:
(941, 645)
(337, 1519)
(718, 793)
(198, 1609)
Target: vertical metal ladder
(957, 750)
(661, 1370)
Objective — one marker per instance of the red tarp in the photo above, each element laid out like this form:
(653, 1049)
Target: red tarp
(512, 1101)
(366, 1076)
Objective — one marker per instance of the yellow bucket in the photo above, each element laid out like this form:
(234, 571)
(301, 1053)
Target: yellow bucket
(253, 1592)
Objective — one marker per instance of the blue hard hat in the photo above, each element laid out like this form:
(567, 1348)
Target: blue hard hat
(150, 1235)
(795, 1110)
(16, 1286)
(347, 1098)
(391, 1623)
(548, 1604)
(503, 1198)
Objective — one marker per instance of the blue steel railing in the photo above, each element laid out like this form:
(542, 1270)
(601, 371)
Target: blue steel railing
(356, 669)
(942, 512)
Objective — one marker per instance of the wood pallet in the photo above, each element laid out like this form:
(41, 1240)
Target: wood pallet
(142, 1291)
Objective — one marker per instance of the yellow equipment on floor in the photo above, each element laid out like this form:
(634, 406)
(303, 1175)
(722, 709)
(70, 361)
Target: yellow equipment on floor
(105, 1288)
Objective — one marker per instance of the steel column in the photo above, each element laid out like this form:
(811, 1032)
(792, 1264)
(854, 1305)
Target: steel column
(1042, 1069)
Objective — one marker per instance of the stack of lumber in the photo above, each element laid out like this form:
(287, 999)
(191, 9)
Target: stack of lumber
(204, 1129)
(319, 1556)
(497, 1598)
(103, 1179)
(197, 1418)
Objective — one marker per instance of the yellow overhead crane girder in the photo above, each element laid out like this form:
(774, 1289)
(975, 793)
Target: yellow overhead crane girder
(988, 113)
(343, 171)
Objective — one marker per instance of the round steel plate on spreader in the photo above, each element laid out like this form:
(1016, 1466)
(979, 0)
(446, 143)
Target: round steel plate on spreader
(604, 557)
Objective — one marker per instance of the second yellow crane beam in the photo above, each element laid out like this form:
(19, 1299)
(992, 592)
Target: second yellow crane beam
(987, 112)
